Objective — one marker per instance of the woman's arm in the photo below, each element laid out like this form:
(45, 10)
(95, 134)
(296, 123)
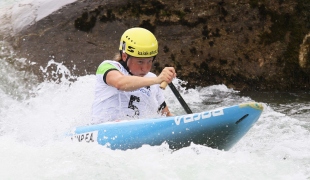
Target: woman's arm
(130, 83)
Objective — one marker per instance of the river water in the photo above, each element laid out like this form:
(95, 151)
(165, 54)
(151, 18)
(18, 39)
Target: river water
(34, 116)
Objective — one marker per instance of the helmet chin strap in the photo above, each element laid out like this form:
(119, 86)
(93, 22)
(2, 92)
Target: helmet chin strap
(124, 63)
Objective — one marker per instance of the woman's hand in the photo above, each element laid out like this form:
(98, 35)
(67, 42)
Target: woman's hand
(167, 75)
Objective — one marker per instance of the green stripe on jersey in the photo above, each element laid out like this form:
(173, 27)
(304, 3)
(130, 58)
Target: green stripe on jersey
(104, 67)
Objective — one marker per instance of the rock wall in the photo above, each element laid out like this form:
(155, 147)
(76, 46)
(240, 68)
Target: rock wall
(244, 44)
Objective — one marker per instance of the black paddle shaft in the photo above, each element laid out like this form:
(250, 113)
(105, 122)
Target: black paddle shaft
(179, 97)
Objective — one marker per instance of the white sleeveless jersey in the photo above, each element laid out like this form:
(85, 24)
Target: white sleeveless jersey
(112, 104)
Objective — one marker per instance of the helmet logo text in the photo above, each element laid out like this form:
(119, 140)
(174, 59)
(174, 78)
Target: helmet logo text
(131, 49)
(145, 53)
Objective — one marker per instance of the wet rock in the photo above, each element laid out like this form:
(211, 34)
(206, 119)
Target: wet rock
(246, 45)
(304, 54)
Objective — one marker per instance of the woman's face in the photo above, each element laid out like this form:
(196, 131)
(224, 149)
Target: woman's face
(140, 66)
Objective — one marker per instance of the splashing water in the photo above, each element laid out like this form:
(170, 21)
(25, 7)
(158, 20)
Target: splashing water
(32, 134)
(34, 116)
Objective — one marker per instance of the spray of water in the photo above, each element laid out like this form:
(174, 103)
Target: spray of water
(35, 116)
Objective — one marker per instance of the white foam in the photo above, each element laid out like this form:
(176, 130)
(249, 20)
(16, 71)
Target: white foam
(16, 15)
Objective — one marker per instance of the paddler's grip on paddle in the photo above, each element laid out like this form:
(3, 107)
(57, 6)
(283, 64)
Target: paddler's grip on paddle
(163, 85)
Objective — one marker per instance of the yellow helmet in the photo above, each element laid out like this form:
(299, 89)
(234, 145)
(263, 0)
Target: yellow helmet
(139, 42)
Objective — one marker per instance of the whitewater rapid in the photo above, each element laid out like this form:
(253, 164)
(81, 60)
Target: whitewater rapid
(18, 14)
(34, 146)
(35, 116)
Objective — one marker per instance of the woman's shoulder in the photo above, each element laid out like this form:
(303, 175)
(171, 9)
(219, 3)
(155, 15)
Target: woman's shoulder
(111, 64)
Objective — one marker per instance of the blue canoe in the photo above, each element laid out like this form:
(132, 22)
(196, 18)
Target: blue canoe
(221, 129)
